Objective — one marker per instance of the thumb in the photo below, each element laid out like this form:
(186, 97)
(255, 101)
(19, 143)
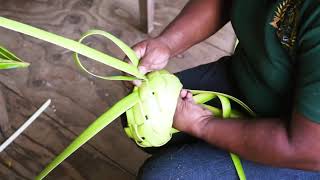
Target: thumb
(146, 63)
(143, 69)
(140, 49)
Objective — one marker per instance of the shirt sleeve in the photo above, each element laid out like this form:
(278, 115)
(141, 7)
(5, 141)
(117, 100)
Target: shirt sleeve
(307, 98)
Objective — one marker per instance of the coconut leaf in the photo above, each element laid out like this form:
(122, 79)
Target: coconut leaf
(10, 61)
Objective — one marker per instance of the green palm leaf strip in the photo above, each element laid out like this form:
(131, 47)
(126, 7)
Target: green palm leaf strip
(9, 61)
(202, 97)
(104, 120)
(80, 48)
(135, 104)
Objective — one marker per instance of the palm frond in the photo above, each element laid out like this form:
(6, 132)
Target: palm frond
(10, 61)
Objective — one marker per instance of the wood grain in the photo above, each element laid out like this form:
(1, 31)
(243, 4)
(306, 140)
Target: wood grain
(77, 98)
(146, 8)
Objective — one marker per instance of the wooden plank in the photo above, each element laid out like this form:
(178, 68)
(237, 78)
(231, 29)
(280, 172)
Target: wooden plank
(147, 15)
(202, 53)
(77, 98)
(44, 140)
(224, 39)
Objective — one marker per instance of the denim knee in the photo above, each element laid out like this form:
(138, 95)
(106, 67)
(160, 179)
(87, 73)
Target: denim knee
(203, 162)
(190, 161)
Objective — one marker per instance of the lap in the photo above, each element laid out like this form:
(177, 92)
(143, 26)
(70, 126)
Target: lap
(202, 161)
(187, 158)
(214, 76)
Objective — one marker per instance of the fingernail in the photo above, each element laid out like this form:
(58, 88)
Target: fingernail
(183, 93)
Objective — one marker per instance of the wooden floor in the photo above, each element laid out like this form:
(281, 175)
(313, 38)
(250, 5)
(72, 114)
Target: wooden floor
(78, 98)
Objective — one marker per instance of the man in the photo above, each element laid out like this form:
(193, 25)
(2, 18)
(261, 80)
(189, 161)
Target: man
(274, 70)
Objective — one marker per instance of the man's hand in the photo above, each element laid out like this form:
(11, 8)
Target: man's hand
(153, 54)
(197, 21)
(267, 141)
(189, 116)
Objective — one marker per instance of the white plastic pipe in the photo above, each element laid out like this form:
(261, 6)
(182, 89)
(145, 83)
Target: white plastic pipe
(25, 125)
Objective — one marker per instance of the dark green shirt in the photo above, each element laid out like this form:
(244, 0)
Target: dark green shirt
(277, 61)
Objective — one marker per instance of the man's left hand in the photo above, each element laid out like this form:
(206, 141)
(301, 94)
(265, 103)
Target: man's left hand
(189, 116)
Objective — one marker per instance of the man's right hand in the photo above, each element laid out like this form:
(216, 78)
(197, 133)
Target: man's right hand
(197, 21)
(153, 54)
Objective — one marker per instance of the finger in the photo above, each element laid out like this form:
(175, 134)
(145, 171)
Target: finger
(137, 82)
(189, 97)
(139, 49)
(145, 65)
(151, 61)
(179, 103)
(205, 109)
(183, 93)
(142, 69)
(154, 60)
(129, 84)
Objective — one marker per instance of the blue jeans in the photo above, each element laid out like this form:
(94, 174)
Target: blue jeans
(200, 161)
(185, 157)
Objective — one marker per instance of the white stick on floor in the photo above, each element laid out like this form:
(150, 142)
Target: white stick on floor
(25, 125)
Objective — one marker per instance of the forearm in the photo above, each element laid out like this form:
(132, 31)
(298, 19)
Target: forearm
(198, 20)
(266, 141)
